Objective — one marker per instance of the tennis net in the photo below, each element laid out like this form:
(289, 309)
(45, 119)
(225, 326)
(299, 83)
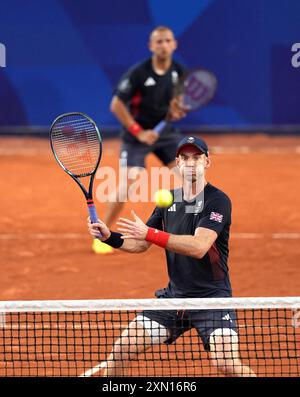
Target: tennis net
(216, 336)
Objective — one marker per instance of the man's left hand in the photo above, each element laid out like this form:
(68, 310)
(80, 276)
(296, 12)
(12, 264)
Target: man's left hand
(133, 229)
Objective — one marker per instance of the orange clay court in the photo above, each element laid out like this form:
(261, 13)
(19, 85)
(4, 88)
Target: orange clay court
(46, 250)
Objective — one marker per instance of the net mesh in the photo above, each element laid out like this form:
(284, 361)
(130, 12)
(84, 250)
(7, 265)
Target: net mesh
(76, 144)
(93, 338)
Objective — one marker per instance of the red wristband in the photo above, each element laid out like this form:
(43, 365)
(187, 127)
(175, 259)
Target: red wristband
(157, 237)
(135, 129)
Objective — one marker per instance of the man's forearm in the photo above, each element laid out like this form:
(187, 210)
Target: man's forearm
(186, 245)
(134, 246)
(121, 112)
(195, 246)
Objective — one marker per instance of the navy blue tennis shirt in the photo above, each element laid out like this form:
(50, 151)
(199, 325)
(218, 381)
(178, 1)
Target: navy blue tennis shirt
(192, 277)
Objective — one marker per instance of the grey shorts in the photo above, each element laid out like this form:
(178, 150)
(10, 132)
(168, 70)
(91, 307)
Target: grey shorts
(133, 154)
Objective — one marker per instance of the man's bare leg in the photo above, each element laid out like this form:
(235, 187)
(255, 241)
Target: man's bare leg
(224, 348)
(134, 340)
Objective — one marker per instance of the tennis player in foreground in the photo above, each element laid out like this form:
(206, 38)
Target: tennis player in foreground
(194, 231)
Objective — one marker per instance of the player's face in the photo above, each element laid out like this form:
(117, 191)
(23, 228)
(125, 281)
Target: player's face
(162, 44)
(191, 163)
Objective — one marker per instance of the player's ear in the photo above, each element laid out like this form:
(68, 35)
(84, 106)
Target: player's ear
(177, 161)
(150, 45)
(207, 162)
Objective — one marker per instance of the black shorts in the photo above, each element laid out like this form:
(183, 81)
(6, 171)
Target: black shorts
(204, 321)
(133, 154)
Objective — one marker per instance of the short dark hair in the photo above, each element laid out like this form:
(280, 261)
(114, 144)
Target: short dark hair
(160, 28)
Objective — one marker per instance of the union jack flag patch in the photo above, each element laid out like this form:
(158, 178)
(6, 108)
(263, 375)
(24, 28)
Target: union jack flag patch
(214, 216)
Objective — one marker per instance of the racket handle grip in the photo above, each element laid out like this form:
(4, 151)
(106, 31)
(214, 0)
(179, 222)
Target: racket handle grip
(160, 126)
(93, 215)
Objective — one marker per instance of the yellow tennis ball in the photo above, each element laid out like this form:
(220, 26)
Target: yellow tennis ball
(163, 198)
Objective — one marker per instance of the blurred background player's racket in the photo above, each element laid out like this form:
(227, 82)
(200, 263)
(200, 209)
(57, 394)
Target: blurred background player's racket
(77, 146)
(197, 90)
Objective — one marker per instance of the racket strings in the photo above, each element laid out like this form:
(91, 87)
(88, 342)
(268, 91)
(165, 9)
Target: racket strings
(76, 145)
(199, 88)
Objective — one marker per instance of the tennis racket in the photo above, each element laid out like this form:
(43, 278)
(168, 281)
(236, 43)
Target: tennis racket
(77, 147)
(197, 90)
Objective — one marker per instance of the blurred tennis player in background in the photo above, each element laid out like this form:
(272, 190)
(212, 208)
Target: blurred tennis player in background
(196, 244)
(143, 97)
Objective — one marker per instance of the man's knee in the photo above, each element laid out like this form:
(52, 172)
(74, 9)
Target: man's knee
(224, 341)
(224, 350)
(155, 333)
(141, 333)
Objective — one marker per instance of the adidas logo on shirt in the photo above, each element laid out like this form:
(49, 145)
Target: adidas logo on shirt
(227, 318)
(149, 82)
(172, 208)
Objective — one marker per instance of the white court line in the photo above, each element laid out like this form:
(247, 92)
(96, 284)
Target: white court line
(277, 236)
(247, 235)
(75, 236)
(43, 236)
(248, 149)
(230, 150)
(94, 370)
(23, 152)
(286, 235)
(273, 150)
(37, 152)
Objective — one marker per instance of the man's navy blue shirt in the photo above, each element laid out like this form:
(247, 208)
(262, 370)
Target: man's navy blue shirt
(192, 277)
(148, 94)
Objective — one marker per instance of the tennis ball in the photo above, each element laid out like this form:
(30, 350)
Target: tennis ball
(163, 198)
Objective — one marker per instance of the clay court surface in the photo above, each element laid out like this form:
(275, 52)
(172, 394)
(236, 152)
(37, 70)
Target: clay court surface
(46, 250)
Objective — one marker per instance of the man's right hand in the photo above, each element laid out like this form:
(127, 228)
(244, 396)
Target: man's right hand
(95, 228)
(176, 109)
(148, 136)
